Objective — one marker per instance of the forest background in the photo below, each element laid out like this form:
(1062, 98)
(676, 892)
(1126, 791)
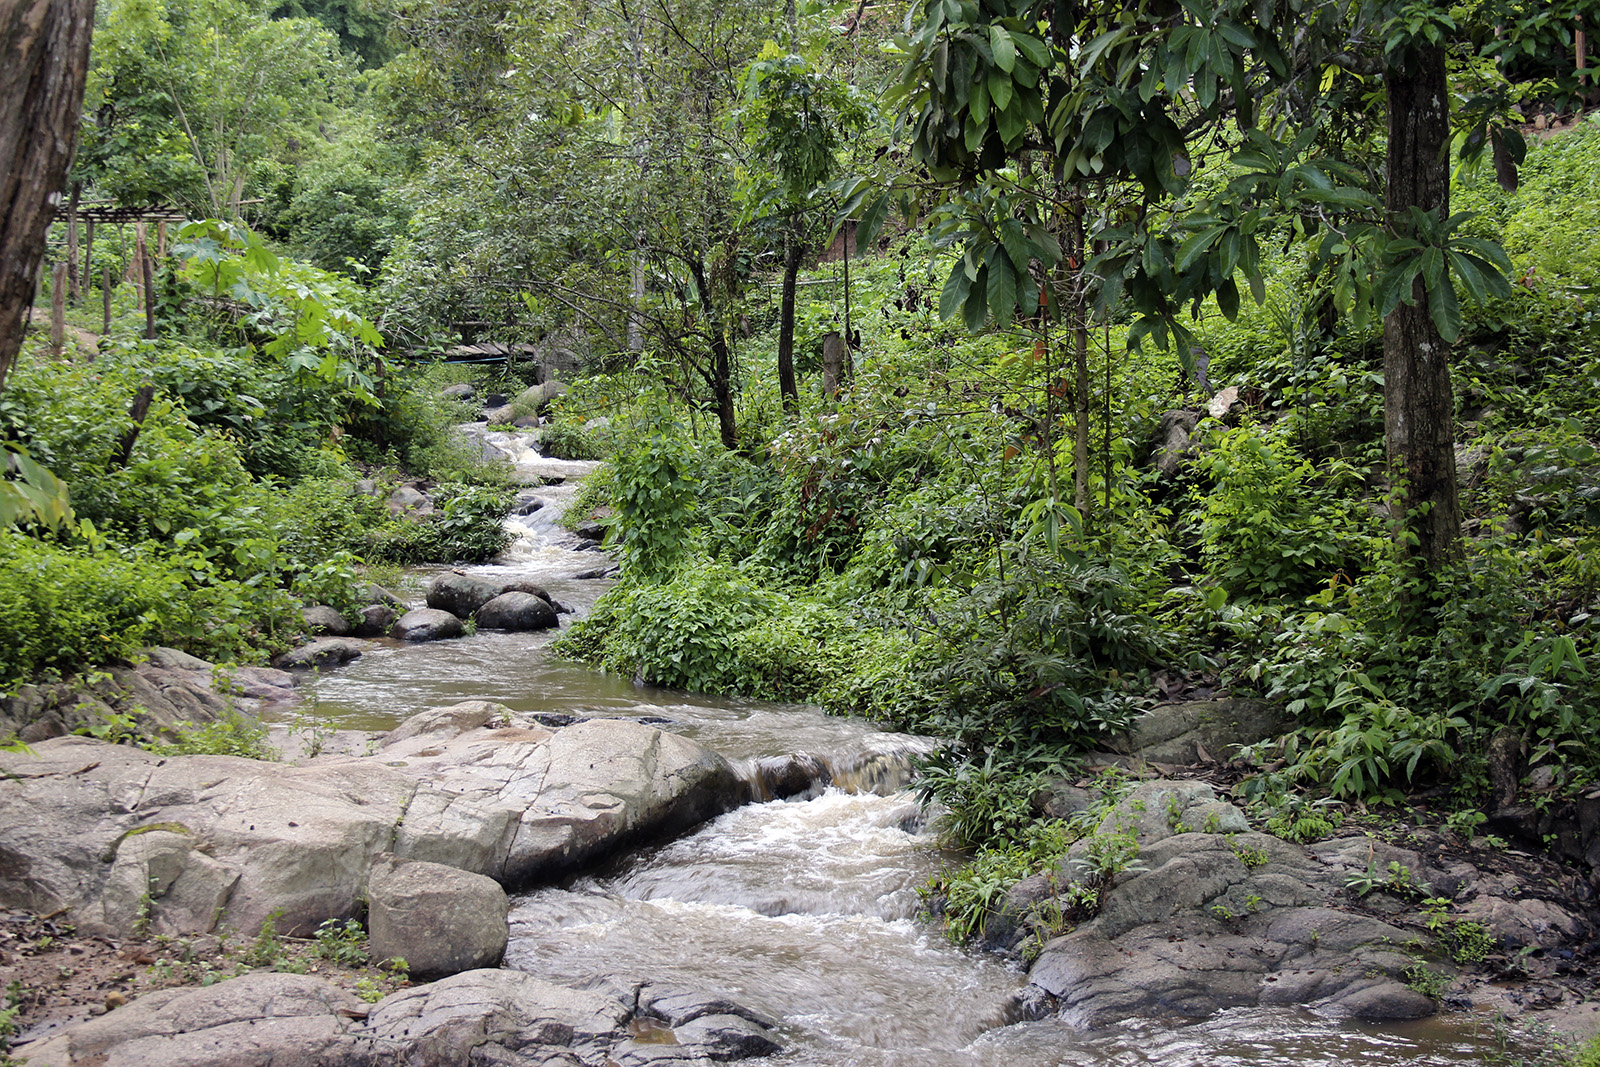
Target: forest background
(993, 369)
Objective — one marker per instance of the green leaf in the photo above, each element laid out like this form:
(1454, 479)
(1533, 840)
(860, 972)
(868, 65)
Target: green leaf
(976, 309)
(1445, 310)
(954, 295)
(1005, 52)
(1002, 290)
(1001, 89)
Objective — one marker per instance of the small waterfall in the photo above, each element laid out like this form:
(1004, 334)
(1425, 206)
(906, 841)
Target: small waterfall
(883, 764)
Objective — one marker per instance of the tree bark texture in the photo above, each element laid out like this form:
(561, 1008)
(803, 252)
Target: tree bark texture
(44, 58)
(787, 389)
(1418, 408)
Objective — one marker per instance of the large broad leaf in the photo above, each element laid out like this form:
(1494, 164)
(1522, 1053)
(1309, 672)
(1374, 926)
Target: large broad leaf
(956, 288)
(1002, 286)
(1445, 309)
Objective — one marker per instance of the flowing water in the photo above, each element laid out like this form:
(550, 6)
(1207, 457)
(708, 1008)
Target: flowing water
(804, 909)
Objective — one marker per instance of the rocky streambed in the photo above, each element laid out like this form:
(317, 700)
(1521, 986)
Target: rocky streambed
(596, 873)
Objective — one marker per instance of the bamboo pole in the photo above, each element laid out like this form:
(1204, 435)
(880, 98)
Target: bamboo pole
(105, 299)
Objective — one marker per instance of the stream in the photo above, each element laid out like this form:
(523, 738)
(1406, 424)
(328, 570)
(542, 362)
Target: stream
(804, 909)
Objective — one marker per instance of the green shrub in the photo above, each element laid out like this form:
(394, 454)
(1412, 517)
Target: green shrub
(62, 609)
(231, 735)
(571, 440)
(1267, 527)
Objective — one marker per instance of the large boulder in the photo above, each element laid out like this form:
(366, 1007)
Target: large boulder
(376, 620)
(321, 619)
(517, 611)
(1188, 732)
(190, 844)
(477, 1017)
(1208, 916)
(427, 624)
(1172, 440)
(460, 594)
(440, 920)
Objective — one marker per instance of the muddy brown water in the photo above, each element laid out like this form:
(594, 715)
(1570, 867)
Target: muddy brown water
(804, 909)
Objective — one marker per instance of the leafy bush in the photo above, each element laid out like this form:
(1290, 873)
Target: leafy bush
(1266, 527)
(231, 735)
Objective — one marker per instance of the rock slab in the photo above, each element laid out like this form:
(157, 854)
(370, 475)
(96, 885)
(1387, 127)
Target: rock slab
(440, 920)
(482, 1017)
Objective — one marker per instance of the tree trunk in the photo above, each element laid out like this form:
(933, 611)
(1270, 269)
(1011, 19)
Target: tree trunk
(44, 57)
(1418, 408)
(721, 377)
(792, 252)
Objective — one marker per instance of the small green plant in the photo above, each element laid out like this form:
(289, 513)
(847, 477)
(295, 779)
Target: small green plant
(1222, 914)
(1250, 857)
(1253, 902)
(343, 943)
(1465, 823)
(1471, 942)
(231, 735)
(1396, 878)
(369, 990)
(1107, 855)
(1423, 979)
(119, 728)
(1175, 821)
(266, 950)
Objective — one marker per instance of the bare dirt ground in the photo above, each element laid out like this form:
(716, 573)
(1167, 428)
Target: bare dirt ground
(53, 976)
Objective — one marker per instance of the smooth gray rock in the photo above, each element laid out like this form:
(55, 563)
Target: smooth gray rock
(322, 620)
(427, 624)
(440, 920)
(377, 594)
(1175, 733)
(1189, 928)
(376, 620)
(323, 652)
(409, 500)
(460, 594)
(1172, 441)
(459, 391)
(517, 611)
(482, 1017)
(442, 724)
(224, 841)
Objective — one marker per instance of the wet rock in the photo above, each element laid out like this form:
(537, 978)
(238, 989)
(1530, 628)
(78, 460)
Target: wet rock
(460, 594)
(499, 416)
(517, 611)
(320, 619)
(375, 620)
(459, 391)
(782, 777)
(440, 920)
(526, 422)
(496, 400)
(591, 530)
(528, 506)
(323, 652)
(427, 624)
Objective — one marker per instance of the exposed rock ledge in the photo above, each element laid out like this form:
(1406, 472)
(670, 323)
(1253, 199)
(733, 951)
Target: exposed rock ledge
(203, 843)
(477, 1017)
(1214, 916)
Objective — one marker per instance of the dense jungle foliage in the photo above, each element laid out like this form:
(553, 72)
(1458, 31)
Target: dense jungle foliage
(883, 354)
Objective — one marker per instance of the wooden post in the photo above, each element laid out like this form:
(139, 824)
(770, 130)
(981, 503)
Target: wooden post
(88, 255)
(58, 309)
(105, 298)
(136, 414)
(834, 354)
(72, 243)
(161, 239)
(147, 274)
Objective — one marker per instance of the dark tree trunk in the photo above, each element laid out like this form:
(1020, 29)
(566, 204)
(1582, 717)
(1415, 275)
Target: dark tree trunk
(793, 250)
(721, 377)
(44, 57)
(1418, 408)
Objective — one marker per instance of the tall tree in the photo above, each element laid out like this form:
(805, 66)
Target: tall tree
(1153, 91)
(44, 56)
